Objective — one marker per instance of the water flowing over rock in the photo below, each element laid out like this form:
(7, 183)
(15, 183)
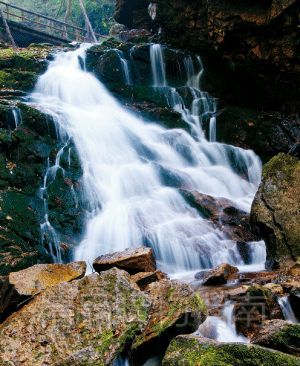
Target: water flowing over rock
(193, 350)
(132, 261)
(23, 285)
(275, 210)
(132, 169)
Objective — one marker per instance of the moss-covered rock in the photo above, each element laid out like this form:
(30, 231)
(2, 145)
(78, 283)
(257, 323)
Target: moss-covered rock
(20, 68)
(199, 351)
(276, 209)
(280, 335)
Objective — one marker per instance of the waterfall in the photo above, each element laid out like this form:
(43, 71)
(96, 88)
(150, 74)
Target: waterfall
(132, 171)
(16, 116)
(158, 66)
(222, 328)
(287, 310)
(125, 67)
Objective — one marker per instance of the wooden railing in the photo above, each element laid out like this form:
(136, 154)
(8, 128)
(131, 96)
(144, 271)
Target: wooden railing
(45, 24)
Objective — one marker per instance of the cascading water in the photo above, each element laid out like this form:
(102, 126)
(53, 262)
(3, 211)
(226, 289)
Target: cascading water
(222, 329)
(132, 170)
(287, 310)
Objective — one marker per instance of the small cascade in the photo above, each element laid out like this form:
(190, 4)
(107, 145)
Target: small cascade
(287, 310)
(202, 108)
(158, 66)
(222, 328)
(17, 117)
(49, 237)
(125, 67)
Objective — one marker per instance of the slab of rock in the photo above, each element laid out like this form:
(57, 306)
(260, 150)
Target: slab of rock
(21, 286)
(175, 309)
(131, 260)
(217, 276)
(276, 209)
(143, 279)
(84, 322)
(280, 335)
(196, 350)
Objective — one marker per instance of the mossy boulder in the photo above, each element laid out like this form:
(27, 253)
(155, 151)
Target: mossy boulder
(275, 211)
(84, 322)
(20, 68)
(199, 351)
(280, 335)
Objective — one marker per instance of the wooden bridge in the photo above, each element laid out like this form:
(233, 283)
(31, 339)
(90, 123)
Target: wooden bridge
(29, 27)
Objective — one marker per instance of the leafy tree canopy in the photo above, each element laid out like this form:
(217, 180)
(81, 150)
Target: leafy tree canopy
(100, 12)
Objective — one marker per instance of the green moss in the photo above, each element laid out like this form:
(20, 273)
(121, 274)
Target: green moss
(191, 352)
(283, 163)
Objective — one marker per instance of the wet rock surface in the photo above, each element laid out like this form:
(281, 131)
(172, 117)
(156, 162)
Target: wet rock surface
(131, 260)
(276, 207)
(193, 350)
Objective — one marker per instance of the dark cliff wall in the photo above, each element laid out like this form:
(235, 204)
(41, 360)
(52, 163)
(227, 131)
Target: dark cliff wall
(258, 38)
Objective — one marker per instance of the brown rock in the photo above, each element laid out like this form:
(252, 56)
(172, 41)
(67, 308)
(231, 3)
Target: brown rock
(218, 276)
(83, 322)
(21, 286)
(131, 260)
(143, 279)
(280, 335)
(222, 212)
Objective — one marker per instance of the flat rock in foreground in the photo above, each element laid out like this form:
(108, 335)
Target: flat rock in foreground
(22, 285)
(194, 351)
(131, 260)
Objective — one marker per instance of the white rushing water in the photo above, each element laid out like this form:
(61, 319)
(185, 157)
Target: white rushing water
(132, 169)
(287, 310)
(222, 328)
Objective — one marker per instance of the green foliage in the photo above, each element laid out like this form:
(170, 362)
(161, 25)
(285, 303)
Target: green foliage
(100, 12)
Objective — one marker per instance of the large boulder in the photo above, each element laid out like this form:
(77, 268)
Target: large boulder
(88, 321)
(23, 285)
(280, 335)
(276, 209)
(194, 350)
(131, 260)
(218, 275)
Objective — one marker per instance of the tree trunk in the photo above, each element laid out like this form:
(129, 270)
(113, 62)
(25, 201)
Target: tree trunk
(87, 22)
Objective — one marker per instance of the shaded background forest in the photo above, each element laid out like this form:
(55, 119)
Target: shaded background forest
(100, 12)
